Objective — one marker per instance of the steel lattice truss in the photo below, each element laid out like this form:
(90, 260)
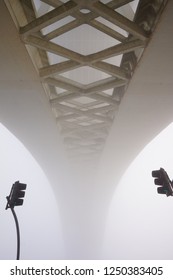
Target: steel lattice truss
(85, 110)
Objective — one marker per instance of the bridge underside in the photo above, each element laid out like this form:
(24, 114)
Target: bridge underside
(146, 108)
(85, 53)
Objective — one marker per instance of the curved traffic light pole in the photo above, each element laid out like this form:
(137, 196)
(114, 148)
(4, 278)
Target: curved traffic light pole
(17, 230)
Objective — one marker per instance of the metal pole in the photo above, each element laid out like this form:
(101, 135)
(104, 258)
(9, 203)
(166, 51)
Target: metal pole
(18, 233)
(17, 229)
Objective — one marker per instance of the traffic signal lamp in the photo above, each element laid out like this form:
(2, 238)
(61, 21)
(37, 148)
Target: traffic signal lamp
(162, 179)
(16, 195)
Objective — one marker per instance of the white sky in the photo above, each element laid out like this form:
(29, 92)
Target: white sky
(140, 220)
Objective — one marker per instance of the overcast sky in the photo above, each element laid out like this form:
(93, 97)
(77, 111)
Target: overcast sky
(140, 220)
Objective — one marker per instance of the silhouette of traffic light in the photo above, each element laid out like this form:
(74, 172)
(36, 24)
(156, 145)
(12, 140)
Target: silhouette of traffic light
(162, 179)
(15, 198)
(16, 195)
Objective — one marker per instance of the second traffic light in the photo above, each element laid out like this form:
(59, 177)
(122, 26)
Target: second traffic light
(162, 179)
(16, 195)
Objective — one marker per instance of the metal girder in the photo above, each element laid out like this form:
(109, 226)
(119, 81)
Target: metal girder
(85, 3)
(79, 111)
(53, 48)
(61, 30)
(116, 50)
(85, 114)
(98, 128)
(104, 85)
(115, 4)
(63, 84)
(89, 132)
(105, 98)
(49, 18)
(111, 69)
(58, 68)
(53, 3)
(119, 20)
(91, 88)
(64, 97)
(107, 30)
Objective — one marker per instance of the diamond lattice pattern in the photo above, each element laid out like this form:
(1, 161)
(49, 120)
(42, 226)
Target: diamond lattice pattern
(84, 49)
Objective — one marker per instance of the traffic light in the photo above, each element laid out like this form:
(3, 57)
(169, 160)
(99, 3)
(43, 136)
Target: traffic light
(162, 179)
(15, 198)
(16, 195)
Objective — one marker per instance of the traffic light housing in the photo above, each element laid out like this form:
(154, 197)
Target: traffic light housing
(16, 195)
(162, 179)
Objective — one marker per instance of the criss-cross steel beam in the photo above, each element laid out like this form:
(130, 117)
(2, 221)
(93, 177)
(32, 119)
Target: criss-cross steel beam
(85, 111)
(49, 18)
(119, 20)
(54, 48)
(58, 68)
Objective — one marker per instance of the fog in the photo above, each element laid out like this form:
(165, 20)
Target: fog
(139, 224)
(140, 220)
(40, 226)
